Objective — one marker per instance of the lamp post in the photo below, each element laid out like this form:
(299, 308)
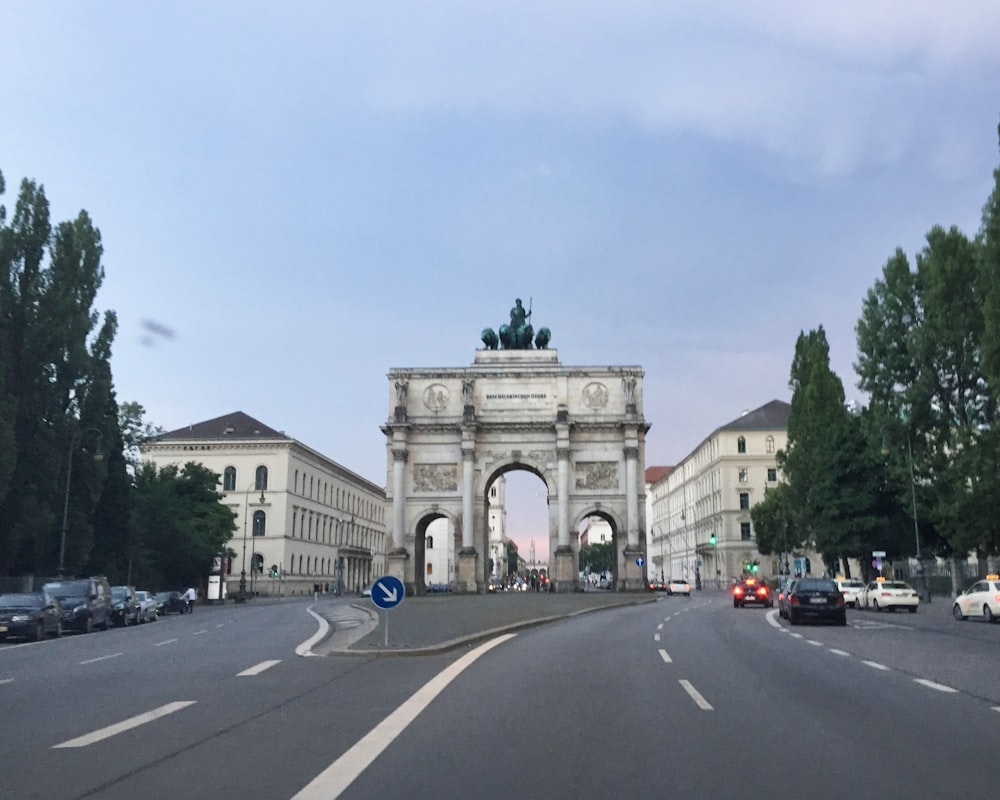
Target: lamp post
(77, 436)
(916, 525)
(246, 513)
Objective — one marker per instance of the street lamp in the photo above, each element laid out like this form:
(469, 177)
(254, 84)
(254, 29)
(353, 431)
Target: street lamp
(246, 513)
(77, 436)
(916, 525)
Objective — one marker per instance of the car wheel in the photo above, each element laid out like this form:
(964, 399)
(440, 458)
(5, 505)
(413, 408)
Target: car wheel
(842, 620)
(956, 612)
(59, 630)
(39, 632)
(875, 606)
(88, 624)
(735, 604)
(988, 613)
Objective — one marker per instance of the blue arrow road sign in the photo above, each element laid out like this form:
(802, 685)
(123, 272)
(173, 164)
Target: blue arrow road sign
(640, 561)
(387, 592)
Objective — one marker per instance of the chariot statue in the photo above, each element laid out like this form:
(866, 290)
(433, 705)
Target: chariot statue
(517, 335)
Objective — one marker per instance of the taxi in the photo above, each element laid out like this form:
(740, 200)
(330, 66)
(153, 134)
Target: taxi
(851, 588)
(888, 595)
(982, 599)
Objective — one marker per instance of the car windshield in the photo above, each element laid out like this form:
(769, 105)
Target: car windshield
(20, 601)
(852, 584)
(817, 585)
(62, 589)
(896, 585)
(119, 592)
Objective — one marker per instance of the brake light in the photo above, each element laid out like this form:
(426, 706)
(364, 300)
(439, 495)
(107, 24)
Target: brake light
(793, 599)
(738, 590)
(762, 591)
(840, 599)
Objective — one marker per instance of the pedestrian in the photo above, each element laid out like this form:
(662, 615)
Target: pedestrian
(189, 597)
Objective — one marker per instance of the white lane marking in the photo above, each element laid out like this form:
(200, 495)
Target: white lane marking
(332, 781)
(221, 625)
(7, 680)
(796, 635)
(257, 669)
(125, 725)
(677, 613)
(666, 658)
(168, 641)
(839, 652)
(659, 627)
(876, 665)
(996, 708)
(932, 685)
(199, 633)
(305, 649)
(693, 693)
(814, 643)
(102, 658)
(656, 637)
(770, 617)
(666, 619)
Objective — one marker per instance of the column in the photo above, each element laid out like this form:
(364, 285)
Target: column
(632, 495)
(397, 536)
(562, 454)
(467, 489)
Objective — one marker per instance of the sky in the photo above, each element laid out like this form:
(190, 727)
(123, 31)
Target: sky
(309, 194)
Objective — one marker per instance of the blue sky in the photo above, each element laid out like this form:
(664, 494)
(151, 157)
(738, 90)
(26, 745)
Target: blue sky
(312, 193)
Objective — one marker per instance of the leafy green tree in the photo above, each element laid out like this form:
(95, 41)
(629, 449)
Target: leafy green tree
(598, 557)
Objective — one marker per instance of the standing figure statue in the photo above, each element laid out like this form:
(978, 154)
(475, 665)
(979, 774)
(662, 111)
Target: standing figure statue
(517, 335)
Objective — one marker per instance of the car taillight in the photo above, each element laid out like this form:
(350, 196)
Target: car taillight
(840, 599)
(738, 590)
(762, 591)
(793, 599)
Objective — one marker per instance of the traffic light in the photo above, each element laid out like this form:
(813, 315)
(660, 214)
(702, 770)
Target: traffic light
(711, 540)
(756, 567)
(274, 570)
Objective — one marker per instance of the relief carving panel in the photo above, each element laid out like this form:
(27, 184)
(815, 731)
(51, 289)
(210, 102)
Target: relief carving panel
(597, 475)
(435, 477)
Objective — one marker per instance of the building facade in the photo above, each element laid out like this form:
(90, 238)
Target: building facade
(303, 522)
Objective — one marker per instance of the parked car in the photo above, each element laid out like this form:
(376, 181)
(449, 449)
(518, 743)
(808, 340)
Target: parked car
(657, 586)
(982, 599)
(147, 606)
(170, 602)
(781, 594)
(752, 591)
(84, 603)
(124, 606)
(679, 586)
(850, 588)
(816, 599)
(881, 594)
(31, 615)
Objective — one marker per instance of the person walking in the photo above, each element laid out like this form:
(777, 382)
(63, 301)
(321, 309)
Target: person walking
(189, 597)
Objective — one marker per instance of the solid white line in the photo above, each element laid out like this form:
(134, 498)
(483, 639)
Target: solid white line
(256, 670)
(7, 680)
(996, 708)
(931, 685)
(329, 784)
(125, 725)
(796, 635)
(102, 658)
(700, 701)
(305, 649)
(814, 643)
(656, 637)
(168, 641)
(839, 652)
(665, 657)
(876, 665)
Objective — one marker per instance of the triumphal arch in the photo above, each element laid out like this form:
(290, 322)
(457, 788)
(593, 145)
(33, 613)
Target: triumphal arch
(453, 431)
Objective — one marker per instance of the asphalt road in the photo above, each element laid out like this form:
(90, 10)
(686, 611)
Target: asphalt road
(680, 696)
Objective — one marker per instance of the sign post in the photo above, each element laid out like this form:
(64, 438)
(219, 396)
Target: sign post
(387, 593)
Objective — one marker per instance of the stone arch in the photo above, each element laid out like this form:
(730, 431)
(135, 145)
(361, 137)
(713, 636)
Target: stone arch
(617, 528)
(422, 521)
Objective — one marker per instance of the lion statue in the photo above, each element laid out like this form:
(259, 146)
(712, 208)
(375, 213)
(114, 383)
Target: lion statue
(490, 339)
(542, 339)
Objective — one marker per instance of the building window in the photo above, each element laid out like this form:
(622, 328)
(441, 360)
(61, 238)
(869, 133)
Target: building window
(745, 531)
(259, 523)
(260, 479)
(430, 569)
(772, 474)
(741, 445)
(744, 500)
(229, 479)
(769, 444)
(429, 542)
(744, 475)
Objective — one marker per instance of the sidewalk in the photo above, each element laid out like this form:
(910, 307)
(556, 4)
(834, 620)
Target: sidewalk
(421, 625)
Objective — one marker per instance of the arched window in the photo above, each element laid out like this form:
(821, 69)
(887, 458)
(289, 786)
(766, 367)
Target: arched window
(741, 445)
(259, 523)
(429, 542)
(229, 479)
(260, 479)
(769, 444)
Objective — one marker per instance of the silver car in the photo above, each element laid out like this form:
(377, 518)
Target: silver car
(147, 606)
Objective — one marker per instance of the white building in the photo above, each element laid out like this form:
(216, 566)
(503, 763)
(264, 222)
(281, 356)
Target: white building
(303, 522)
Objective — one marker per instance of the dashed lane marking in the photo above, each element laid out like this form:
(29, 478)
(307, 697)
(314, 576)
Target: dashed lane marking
(814, 643)
(6, 680)
(656, 637)
(199, 633)
(659, 627)
(876, 665)
(125, 725)
(101, 658)
(932, 685)
(695, 695)
(839, 652)
(257, 669)
(666, 658)
(166, 641)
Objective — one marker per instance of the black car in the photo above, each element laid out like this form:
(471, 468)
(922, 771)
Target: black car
(169, 602)
(816, 599)
(125, 606)
(32, 615)
(85, 603)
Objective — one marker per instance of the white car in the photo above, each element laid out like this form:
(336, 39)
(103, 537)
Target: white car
(851, 588)
(880, 595)
(982, 599)
(679, 586)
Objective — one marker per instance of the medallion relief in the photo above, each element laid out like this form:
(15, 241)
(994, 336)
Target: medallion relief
(597, 475)
(435, 477)
(436, 397)
(595, 395)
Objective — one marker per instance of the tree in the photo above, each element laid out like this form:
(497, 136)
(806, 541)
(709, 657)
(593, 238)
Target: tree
(598, 557)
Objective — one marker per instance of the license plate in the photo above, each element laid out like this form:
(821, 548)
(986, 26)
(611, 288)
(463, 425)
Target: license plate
(3, 629)
(817, 600)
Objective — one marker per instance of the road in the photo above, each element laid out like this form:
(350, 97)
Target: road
(684, 697)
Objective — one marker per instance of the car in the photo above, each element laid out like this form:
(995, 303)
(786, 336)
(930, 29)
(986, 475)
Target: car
(982, 599)
(169, 602)
(84, 603)
(30, 615)
(679, 586)
(752, 591)
(850, 588)
(658, 586)
(147, 606)
(815, 599)
(781, 593)
(124, 606)
(881, 594)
